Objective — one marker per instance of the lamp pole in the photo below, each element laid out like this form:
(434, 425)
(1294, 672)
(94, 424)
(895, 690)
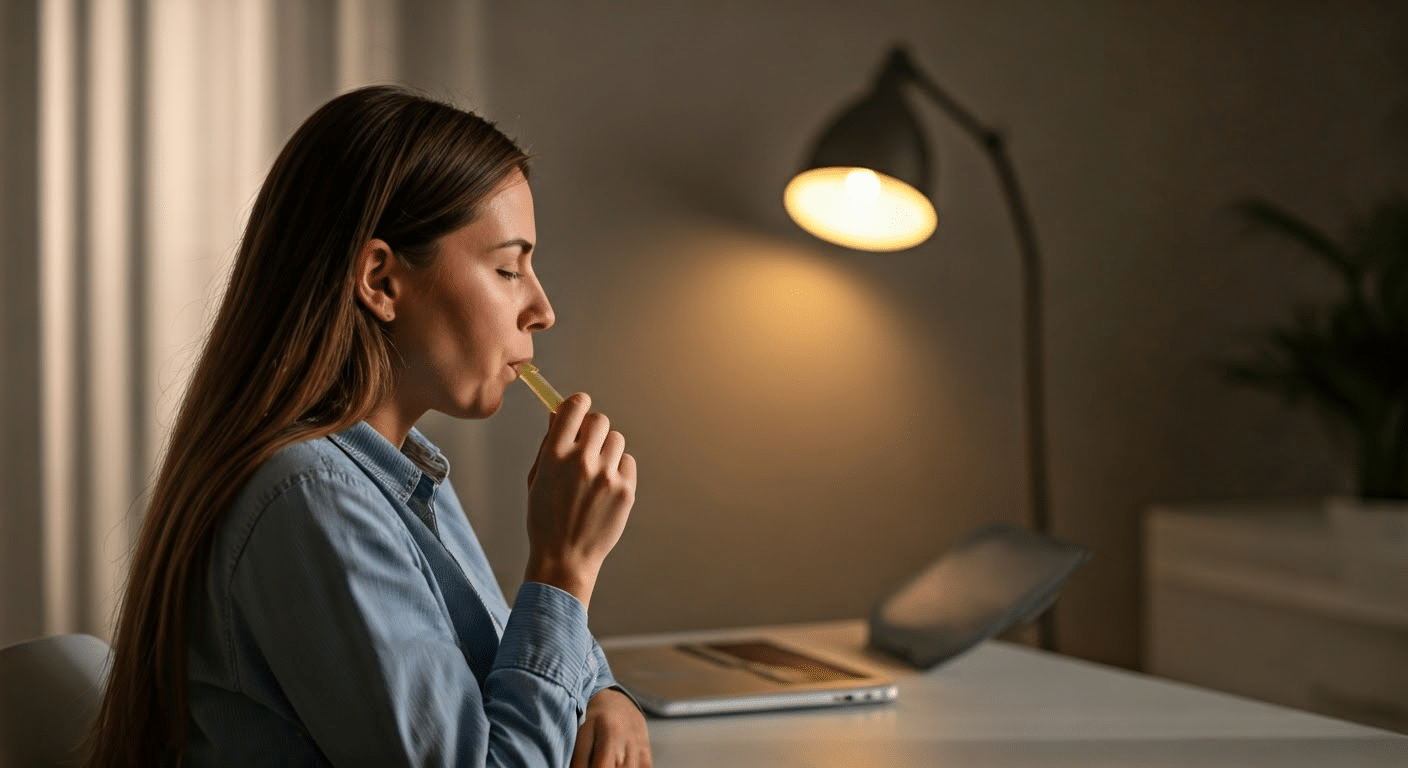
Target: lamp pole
(1033, 349)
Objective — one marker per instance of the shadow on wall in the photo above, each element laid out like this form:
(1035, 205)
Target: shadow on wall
(771, 405)
(777, 342)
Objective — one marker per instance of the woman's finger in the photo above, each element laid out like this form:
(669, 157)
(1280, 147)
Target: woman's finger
(592, 435)
(627, 469)
(566, 423)
(611, 452)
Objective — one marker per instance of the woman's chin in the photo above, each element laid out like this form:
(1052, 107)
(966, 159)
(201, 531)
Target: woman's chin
(477, 409)
(482, 411)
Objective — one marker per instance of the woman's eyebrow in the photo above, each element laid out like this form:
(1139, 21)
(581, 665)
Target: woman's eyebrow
(516, 242)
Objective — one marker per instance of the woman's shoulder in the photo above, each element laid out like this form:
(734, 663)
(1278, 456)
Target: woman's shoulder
(316, 463)
(309, 506)
(304, 490)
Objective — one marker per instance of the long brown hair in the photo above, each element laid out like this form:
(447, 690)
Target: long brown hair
(292, 356)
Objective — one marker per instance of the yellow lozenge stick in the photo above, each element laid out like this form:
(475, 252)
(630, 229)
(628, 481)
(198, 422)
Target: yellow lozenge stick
(540, 386)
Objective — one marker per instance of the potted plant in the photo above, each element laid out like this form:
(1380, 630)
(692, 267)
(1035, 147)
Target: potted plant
(1347, 359)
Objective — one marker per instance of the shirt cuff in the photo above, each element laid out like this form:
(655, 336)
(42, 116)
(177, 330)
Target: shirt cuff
(547, 635)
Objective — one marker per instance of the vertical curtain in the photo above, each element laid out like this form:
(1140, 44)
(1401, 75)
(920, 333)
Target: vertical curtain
(137, 134)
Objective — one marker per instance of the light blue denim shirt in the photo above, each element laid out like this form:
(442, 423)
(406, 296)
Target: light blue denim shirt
(350, 618)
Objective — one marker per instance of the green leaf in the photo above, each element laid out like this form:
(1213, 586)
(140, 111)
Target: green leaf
(1271, 218)
(1346, 359)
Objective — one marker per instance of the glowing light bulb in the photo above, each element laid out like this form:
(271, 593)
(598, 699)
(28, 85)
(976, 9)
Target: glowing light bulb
(859, 208)
(862, 185)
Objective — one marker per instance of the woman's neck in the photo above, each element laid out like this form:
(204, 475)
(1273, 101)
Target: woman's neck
(394, 420)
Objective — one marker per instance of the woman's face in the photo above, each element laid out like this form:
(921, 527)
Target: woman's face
(465, 325)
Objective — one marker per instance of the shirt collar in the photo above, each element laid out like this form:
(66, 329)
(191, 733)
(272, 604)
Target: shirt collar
(401, 470)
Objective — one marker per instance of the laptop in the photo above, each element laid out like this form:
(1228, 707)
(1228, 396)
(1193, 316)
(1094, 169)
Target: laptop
(741, 675)
(988, 580)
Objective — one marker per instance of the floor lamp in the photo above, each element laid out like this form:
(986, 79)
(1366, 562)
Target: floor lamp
(867, 185)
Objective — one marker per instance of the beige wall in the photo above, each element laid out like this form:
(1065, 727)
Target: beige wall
(813, 425)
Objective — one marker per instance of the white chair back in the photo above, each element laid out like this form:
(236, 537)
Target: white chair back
(50, 690)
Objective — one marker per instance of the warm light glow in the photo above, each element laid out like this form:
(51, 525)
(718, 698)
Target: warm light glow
(862, 185)
(859, 208)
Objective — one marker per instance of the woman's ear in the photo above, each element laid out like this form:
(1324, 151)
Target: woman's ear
(378, 278)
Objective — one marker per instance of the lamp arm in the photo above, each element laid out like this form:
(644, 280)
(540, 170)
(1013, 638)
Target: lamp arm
(1034, 357)
(902, 66)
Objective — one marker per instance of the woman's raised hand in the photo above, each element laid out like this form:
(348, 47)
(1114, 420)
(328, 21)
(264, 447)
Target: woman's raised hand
(580, 492)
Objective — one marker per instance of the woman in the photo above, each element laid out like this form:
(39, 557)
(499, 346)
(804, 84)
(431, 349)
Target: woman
(306, 589)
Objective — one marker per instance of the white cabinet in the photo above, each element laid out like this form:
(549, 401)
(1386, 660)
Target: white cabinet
(1249, 599)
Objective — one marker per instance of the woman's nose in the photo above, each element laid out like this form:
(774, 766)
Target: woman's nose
(539, 315)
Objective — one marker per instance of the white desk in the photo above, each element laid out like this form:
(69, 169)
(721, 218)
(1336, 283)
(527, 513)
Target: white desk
(1005, 706)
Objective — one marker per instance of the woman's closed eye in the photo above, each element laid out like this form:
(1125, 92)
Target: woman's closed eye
(510, 275)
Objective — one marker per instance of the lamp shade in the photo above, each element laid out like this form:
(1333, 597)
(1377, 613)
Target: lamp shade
(866, 183)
